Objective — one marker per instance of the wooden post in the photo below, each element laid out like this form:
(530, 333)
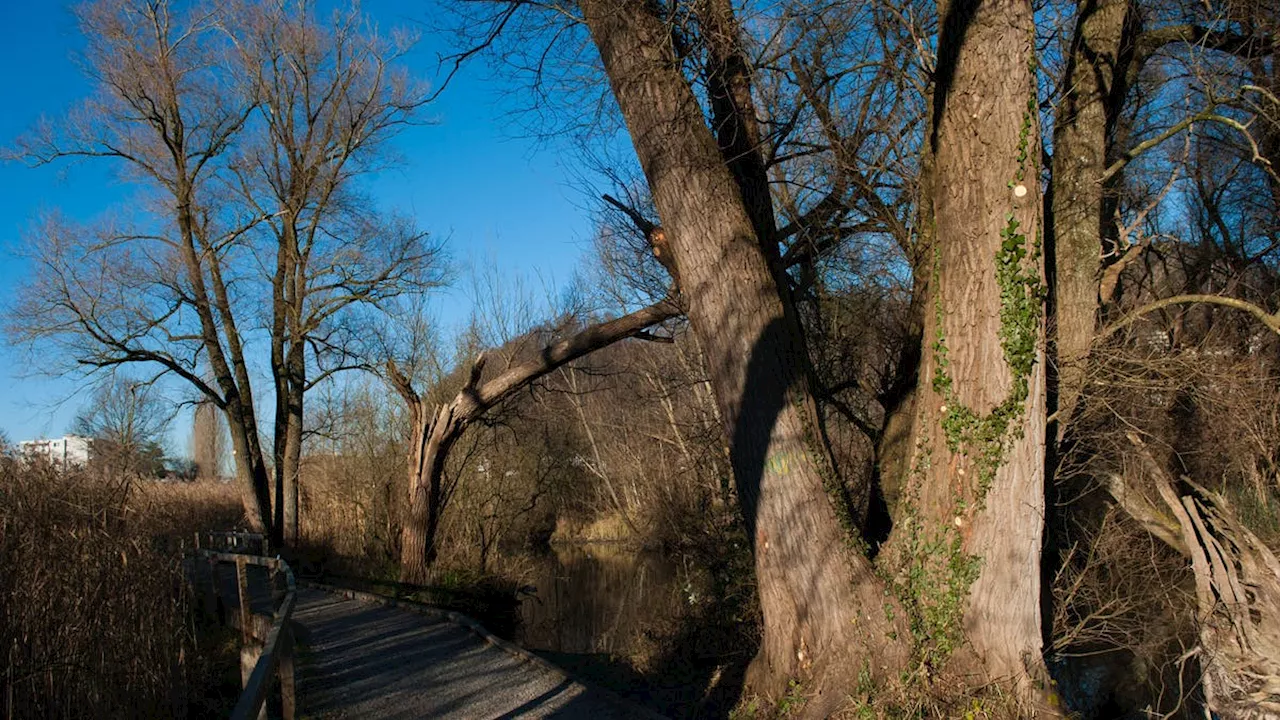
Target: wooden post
(248, 649)
(287, 696)
(249, 655)
(242, 586)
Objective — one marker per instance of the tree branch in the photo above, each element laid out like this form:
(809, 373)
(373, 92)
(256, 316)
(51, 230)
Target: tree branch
(1272, 321)
(642, 224)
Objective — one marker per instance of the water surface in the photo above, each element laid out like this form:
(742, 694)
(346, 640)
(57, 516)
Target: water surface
(601, 599)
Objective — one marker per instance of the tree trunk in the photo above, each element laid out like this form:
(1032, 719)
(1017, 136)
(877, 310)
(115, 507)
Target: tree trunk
(290, 461)
(824, 617)
(290, 464)
(280, 378)
(1082, 206)
(965, 549)
(433, 436)
(289, 371)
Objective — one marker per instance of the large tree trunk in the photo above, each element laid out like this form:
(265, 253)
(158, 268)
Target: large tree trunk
(966, 545)
(1082, 206)
(251, 472)
(434, 432)
(290, 463)
(280, 377)
(824, 617)
(289, 371)
(432, 437)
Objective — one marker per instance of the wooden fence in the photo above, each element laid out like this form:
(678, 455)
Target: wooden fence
(267, 642)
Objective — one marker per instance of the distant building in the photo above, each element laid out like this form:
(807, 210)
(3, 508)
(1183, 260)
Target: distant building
(66, 451)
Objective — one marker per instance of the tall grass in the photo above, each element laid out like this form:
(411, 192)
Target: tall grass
(94, 610)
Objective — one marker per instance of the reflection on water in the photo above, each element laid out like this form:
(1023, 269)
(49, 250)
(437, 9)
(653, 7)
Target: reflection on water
(642, 624)
(600, 599)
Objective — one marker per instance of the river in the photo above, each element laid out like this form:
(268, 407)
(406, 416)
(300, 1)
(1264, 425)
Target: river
(601, 599)
(638, 623)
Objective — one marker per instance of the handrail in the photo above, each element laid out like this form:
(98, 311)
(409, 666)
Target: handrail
(234, 541)
(276, 655)
(278, 646)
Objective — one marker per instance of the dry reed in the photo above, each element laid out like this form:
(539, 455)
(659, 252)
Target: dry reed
(94, 610)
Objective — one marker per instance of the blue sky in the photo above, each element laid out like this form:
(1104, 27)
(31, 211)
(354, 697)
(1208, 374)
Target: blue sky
(468, 177)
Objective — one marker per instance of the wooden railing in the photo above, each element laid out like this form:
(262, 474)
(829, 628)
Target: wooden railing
(267, 642)
(234, 541)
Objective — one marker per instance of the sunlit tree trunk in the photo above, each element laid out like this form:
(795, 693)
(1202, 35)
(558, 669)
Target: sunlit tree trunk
(433, 435)
(1082, 209)
(965, 549)
(823, 608)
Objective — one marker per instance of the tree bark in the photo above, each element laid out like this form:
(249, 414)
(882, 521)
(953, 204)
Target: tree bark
(894, 453)
(279, 376)
(1083, 206)
(432, 437)
(291, 463)
(824, 617)
(965, 549)
(435, 432)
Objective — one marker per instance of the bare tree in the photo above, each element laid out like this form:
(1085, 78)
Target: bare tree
(434, 430)
(246, 125)
(127, 420)
(330, 97)
(160, 292)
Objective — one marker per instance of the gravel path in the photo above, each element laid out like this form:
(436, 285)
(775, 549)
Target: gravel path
(370, 660)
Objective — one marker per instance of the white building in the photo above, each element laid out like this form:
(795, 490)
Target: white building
(66, 451)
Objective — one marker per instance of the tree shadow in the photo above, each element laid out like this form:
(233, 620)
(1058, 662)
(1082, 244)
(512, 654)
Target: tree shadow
(955, 23)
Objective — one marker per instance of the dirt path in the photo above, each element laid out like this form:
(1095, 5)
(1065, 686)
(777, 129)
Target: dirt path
(370, 660)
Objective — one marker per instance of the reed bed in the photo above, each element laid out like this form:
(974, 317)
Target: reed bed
(95, 615)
